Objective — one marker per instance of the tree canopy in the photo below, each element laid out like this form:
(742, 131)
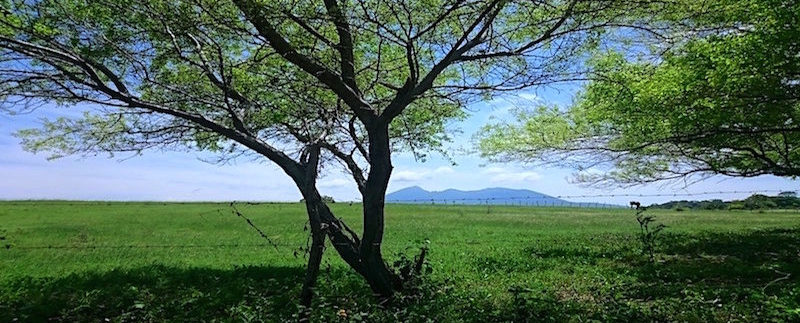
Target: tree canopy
(721, 101)
(303, 83)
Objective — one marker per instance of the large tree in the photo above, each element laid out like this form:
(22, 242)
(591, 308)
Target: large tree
(724, 101)
(300, 82)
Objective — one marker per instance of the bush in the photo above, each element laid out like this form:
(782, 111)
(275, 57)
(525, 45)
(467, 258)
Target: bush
(325, 198)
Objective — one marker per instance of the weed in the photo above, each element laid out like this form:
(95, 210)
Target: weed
(648, 235)
(163, 262)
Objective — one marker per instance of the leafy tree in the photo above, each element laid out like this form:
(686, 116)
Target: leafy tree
(716, 204)
(758, 201)
(325, 198)
(304, 84)
(722, 101)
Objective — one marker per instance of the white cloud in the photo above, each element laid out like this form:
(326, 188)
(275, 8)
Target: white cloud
(503, 107)
(495, 170)
(420, 174)
(517, 177)
(334, 183)
(408, 176)
(504, 175)
(444, 170)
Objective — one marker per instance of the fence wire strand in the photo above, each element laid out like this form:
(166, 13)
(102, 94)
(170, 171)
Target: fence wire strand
(487, 202)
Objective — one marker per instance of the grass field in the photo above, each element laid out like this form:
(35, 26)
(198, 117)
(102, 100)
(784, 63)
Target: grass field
(89, 261)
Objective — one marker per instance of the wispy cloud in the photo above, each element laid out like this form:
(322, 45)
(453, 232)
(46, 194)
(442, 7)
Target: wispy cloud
(502, 106)
(334, 183)
(505, 175)
(420, 174)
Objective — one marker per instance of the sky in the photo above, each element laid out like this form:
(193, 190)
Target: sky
(184, 176)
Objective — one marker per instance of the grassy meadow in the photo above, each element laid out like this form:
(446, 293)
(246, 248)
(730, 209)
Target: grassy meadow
(91, 261)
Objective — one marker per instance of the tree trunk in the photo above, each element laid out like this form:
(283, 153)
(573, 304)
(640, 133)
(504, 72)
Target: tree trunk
(382, 280)
(315, 251)
(363, 255)
(307, 184)
(369, 264)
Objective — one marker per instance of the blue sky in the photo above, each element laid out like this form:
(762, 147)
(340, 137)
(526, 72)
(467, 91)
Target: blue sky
(174, 176)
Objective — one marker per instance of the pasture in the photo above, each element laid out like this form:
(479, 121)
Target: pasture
(90, 261)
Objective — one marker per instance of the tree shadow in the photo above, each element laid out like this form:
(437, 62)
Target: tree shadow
(759, 259)
(711, 276)
(721, 276)
(154, 293)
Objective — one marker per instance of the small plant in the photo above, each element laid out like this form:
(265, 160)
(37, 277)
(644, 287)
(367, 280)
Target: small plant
(411, 270)
(648, 235)
(3, 241)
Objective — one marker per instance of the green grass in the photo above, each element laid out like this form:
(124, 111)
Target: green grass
(88, 261)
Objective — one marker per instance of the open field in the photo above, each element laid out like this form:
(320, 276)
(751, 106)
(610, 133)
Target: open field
(87, 261)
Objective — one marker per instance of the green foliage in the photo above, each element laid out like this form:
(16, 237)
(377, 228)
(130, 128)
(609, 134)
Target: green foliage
(325, 198)
(648, 235)
(543, 264)
(724, 103)
(164, 51)
(204, 58)
(753, 202)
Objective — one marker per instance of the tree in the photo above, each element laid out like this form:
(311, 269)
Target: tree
(758, 201)
(325, 198)
(724, 101)
(303, 83)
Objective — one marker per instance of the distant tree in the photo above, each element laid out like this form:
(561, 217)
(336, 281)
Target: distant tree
(303, 84)
(787, 200)
(325, 198)
(758, 202)
(713, 205)
(753, 202)
(723, 101)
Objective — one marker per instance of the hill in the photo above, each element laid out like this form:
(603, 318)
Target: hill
(494, 196)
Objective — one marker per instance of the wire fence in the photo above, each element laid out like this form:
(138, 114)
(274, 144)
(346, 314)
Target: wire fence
(523, 200)
(231, 209)
(564, 200)
(147, 246)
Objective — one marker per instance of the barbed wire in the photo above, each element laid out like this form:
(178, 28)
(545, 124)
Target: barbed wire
(544, 196)
(155, 246)
(279, 203)
(484, 202)
(113, 203)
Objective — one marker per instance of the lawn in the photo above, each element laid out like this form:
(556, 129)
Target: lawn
(90, 261)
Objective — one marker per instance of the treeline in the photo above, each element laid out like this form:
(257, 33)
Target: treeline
(784, 200)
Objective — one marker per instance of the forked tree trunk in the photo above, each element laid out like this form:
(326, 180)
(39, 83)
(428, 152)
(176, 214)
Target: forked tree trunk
(366, 261)
(363, 255)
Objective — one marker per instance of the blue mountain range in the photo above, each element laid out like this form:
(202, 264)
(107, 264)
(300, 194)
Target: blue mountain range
(494, 196)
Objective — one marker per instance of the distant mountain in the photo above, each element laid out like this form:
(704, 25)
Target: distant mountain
(495, 196)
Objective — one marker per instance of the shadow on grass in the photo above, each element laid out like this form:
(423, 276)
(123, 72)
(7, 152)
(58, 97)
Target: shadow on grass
(707, 277)
(726, 266)
(737, 276)
(154, 293)
(721, 276)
